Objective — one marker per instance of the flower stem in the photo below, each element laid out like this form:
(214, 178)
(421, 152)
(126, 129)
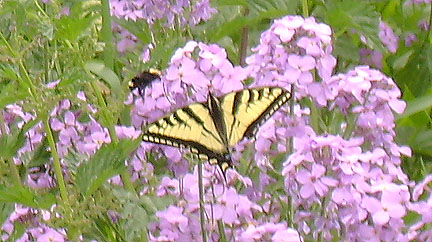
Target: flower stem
(56, 162)
(305, 8)
(201, 201)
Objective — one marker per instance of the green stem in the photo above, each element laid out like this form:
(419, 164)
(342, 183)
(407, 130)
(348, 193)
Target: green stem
(127, 181)
(2, 124)
(201, 201)
(292, 103)
(107, 37)
(244, 41)
(28, 84)
(41, 9)
(124, 175)
(221, 227)
(315, 114)
(16, 179)
(290, 149)
(109, 56)
(56, 162)
(305, 8)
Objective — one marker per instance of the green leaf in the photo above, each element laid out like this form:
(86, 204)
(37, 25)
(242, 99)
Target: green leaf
(17, 233)
(344, 48)
(106, 163)
(417, 105)
(229, 28)
(423, 143)
(260, 6)
(10, 143)
(138, 28)
(106, 74)
(348, 15)
(75, 25)
(402, 60)
(26, 197)
(41, 155)
(220, 3)
(8, 95)
(137, 212)
(5, 211)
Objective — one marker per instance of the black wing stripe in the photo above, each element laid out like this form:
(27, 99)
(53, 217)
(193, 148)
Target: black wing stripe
(192, 115)
(197, 119)
(237, 102)
(169, 121)
(234, 110)
(270, 110)
(194, 147)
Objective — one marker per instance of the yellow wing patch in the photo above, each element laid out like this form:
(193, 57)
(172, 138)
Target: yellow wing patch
(185, 126)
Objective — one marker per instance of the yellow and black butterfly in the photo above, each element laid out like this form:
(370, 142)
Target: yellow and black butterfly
(144, 79)
(210, 129)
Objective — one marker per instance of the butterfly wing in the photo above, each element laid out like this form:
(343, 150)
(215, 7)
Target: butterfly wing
(189, 127)
(245, 110)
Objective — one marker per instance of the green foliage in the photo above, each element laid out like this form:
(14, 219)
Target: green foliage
(5, 210)
(351, 20)
(413, 69)
(38, 45)
(26, 197)
(105, 74)
(106, 163)
(137, 213)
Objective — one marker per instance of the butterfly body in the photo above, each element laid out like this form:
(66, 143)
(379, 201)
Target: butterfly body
(210, 129)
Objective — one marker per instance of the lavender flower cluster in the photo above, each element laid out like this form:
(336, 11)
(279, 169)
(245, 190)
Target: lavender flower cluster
(345, 185)
(180, 12)
(170, 14)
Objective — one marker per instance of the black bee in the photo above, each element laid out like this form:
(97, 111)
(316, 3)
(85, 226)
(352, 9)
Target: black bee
(143, 80)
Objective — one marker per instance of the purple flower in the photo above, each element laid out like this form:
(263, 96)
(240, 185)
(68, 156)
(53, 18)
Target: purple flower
(290, 52)
(388, 38)
(127, 132)
(423, 25)
(288, 235)
(168, 186)
(391, 205)
(269, 232)
(314, 182)
(371, 57)
(409, 39)
(40, 180)
(418, 1)
(65, 11)
(167, 13)
(51, 235)
(127, 42)
(173, 215)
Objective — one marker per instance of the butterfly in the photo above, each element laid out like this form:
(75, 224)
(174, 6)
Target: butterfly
(211, 129)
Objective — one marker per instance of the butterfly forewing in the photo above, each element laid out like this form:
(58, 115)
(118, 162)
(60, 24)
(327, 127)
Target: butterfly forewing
(190, 127)
(247, 109)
